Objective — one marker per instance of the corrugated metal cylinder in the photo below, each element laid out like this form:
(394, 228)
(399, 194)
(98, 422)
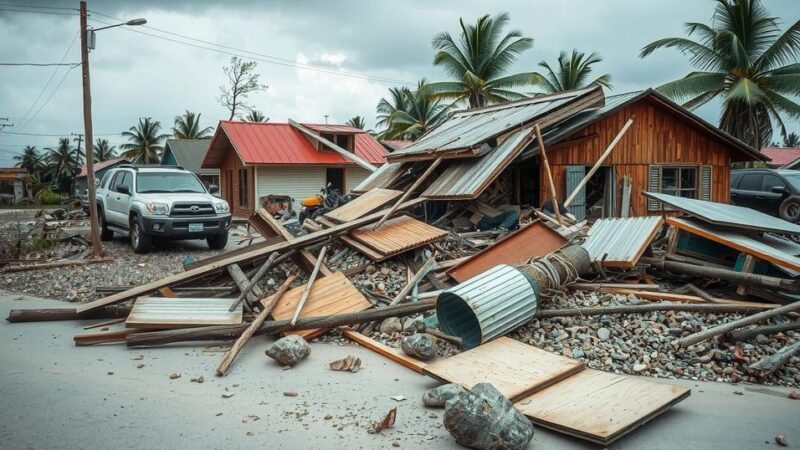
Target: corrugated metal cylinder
(488, 305)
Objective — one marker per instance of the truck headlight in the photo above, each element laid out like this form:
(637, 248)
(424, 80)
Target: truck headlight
(221, 207)
(157, 209)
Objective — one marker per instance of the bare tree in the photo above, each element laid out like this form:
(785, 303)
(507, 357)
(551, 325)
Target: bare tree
(242, 81)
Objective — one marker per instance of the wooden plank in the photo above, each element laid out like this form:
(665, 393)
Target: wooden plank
(747, 267)
(307, 257)
(535, 239)
(599, 406)
(309, 284)
(241, 282)
(659, 296)
(358, 246)
(373, 200)
(54, 264)
(515, 369)
(394, 354)
(165, 313)
(105, 323)
(334, 294)
(550, 185)
(102, 338)
(408, 192)
(398, 235)
(168, 293)
(194, 273)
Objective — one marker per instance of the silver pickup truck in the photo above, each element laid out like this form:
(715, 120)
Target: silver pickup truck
(160, 202)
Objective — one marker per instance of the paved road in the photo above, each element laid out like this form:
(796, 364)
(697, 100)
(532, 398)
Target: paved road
(54, 395)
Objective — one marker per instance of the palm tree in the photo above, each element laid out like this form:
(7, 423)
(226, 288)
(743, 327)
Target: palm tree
(29, 159)
(422, 111)
(63, 163)
(103, 151)
(477, 62)
(256, 116)
(572, 72)
(145, 145)
(187, 126)
(744, 59)
(398, 101)
(791, 140)
(357, 122)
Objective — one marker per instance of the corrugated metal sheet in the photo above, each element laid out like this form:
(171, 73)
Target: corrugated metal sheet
(398, 235)
(727, 215)
(382, 177)
(360, 207)
(465, 179)
(624, 240)
(160, 312)
(297, 182)
(487, 306)
(470, 128)
(332, 128)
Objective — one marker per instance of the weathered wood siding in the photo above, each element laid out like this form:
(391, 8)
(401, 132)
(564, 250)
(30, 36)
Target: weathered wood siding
(229, 184)
(655, 137)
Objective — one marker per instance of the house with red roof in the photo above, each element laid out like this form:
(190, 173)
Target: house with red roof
(257, 160)
(100, 169)
(781, 156)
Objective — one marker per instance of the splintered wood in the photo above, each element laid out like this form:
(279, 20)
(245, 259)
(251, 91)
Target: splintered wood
(367, 203)
(600, 406)
(395, 354)
(397, 236)
(515, 369)
(334, 294)
(163, 313)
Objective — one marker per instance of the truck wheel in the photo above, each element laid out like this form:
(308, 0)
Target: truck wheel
(790, 209)
(141, 242)
(217, 241)
(105, 233)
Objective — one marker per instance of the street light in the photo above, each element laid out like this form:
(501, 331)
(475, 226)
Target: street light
(87, 41)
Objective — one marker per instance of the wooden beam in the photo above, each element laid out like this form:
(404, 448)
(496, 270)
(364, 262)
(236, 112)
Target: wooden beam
(54, 264)
(254, 292)
(550, 184)
(408, 192)
(310, 283)
(429, 265)
(347, 154)
(308, 258)
(598, 163)
(191, 274)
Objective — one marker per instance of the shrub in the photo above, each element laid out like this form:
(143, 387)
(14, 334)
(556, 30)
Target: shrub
(48, 197)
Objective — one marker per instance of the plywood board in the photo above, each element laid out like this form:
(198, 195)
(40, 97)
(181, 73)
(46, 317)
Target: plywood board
(512, 367)
(167, 313)
(395, 354)
(398, 235)
(334, 294)
(600, 406)
(367, 203)
(536, 239)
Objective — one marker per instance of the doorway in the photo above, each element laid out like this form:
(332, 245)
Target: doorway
(334, 177)
(597, 197)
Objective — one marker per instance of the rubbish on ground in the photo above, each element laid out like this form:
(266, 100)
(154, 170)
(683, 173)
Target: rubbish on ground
(387, 422)
(348, 364)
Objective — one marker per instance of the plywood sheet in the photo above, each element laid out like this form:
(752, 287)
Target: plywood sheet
(600, 406)
(514, 368)
(334, 294)
(165, 313)
(363, 205)
(536, 239)
(398, 235)
(395, 354)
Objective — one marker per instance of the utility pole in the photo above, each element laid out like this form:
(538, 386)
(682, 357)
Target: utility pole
(3, 125)
(97, 247)
(78, 138)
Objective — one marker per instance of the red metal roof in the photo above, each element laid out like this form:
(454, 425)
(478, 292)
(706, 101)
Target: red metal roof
(325, 128)
(280, 143)
(101, 165)
(781, 156)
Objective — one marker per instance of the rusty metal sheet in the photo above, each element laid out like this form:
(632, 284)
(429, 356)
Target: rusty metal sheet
(162, 312)
(621, 241)
(367, 203)
(535, 239)
(398, 235)
(381, 178)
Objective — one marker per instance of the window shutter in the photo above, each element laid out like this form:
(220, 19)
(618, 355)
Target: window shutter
(654, 185)
(705, 183)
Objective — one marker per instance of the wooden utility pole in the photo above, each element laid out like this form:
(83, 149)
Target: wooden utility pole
(97, 247)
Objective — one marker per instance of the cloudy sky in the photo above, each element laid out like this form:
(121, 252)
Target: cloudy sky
(334, 58)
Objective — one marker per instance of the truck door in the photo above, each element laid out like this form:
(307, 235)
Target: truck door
(117, 202)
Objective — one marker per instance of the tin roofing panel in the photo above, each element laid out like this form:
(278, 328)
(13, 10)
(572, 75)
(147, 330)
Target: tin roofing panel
(161, 312)
(381, 178)
(727, 215)
(621, 241)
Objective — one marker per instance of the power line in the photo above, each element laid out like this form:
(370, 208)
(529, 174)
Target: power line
(40, 64)
(48, 98)
(53, 135)
(39, 12)
(26, 5)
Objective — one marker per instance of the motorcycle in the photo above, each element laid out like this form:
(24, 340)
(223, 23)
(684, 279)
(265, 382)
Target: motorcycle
(329, 198)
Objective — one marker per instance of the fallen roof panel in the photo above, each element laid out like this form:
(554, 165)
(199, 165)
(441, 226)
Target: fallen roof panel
(162, 312)
(727, 215)
(383, 177)
(621, 241)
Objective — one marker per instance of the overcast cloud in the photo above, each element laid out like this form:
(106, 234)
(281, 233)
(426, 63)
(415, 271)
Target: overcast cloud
(136, 75)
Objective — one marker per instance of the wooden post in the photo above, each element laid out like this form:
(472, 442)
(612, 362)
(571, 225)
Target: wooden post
(747, 267)
(598, 163)
(550, 185)
(775, 361)
(254, 326)
(307, 290)
(253, 291)
(244, 291)
(408, 192)
(427, 267)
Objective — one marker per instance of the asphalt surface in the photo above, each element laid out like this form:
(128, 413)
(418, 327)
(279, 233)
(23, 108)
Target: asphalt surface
(55, 395)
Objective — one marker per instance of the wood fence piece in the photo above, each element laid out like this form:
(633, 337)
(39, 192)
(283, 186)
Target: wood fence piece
(307, 257)
(771, 363)
(429, 265)
(237, 346)
(409, 191)
(750, 333)
(105, 323)
(307, 290)
(191, 274)
(54, 264)
(551, 186)
(730, 326)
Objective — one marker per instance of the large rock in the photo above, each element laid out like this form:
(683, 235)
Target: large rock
(482, 418)
(289, 350)
(421, 346)
(414, 325)
(391, 325)
(438, 396)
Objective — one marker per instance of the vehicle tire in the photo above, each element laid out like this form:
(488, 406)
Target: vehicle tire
(217, 241)
(790, 209)
(140, 242)
(105, 233)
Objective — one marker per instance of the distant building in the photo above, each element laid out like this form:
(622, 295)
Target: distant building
(782, 156)
(12, 185)
(189, 154)
(100, 169)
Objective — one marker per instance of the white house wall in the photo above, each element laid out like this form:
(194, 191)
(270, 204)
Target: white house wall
(355, 175)
(295, 181)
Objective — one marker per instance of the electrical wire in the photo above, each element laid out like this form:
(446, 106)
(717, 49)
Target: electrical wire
(53, 135)
(55, 13)
(27, 5)
(48, 98)
(40, 64)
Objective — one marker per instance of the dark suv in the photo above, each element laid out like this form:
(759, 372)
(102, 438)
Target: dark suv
(773, 192)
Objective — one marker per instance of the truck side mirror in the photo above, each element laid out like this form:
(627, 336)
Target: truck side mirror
(122, 189)
(778, 189)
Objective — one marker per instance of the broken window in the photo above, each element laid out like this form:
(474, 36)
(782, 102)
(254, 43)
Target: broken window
(681, 181)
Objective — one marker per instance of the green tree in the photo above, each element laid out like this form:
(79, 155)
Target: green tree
(63, 163)
(256, 116)
(571, 72)
(477, 62)
(187, 126)
(357, 122)
(421, 112)
(791, 140)
(145, 142)
(242, 81)
(744, 59)
(103, 151)
(397, 101)
(29, 159)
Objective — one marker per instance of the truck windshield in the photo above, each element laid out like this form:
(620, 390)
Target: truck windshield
(160, 182)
